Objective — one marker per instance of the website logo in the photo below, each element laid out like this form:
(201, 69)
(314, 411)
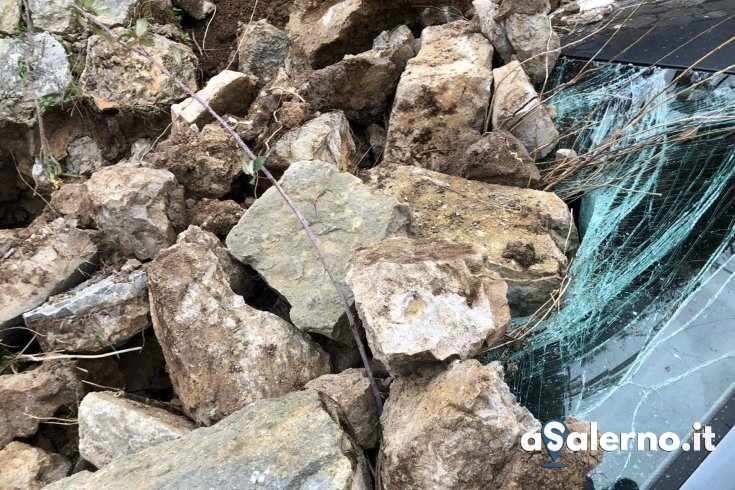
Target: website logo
(555, 435)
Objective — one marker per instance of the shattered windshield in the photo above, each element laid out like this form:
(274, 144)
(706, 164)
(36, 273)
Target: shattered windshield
(638, 336)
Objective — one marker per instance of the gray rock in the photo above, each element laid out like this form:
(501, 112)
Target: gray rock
(9, 16)
(363, 85)
(51, 71)
(347, 216)
(30, 468)
(83, 157)
(133, 205)
(451, 428)
(198, 9)
(115, 12)
(327, 138)
(289, 442)
(97, 315)
(111, 427)
(51, 260)
(351, 397)
(485, 12)
(527, 234)
(227, 92)
(517, 108)
(443, 96)
(54, 16)
(535, 42)
(261, 50)
(426, 300)
(28, 397)
(117, 79)
(221, 353)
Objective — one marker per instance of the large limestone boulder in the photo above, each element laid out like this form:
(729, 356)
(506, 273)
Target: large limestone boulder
(221, 353)
(485, 13)
(325, 30)
(205, 162)
(517, 108)
(527, 234)
(349, 394)
(327, 138)
(442, 96)
(426, 300)
(51, 260)
(137, 208)
(227, 92)
(115, 78)
(111, 427)
(363, 85)
(101, 313)
(50, 68)
(460, 428)
(289, 442)
(345, 215)
(536, 43)
(26, 467)
(261, 51)
(28, 397)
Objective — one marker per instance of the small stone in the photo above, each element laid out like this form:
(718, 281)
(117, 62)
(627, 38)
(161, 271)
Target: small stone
(10, 16)
(133, 206)
(111, 427)
(84, 157)
(199, 9)
(426, 300)
(497, 158)
(27, 398)
(227, 92)
(217, 217)
(205, 162)
(54, 16)
(344, 215)
(221, 353)
(26, 467)
(72, 201)
(262, 50)
(351, 395)
(327, 138)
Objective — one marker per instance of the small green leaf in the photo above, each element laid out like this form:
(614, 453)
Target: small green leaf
(141, 27)
(258, 163)
(323, 192)
(147, 40)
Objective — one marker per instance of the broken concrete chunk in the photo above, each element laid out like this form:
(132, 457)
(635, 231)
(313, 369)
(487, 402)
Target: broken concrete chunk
(517, 109)
(526, 233)
(116, 79)
(289, 442)
(442, 96)
(426, 300)
(27, 398)
(228, 92)
(221, 353)
(97, 315)
(111, 427)
(344, 214)
(26, 467)
(327, 138)
(350, 394)
(51, 260)
(132, 205)
(261, 50)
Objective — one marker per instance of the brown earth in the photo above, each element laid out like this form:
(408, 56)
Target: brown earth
(218, 49)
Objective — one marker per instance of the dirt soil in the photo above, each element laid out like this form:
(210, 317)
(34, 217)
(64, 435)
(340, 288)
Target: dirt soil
(218, 49)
